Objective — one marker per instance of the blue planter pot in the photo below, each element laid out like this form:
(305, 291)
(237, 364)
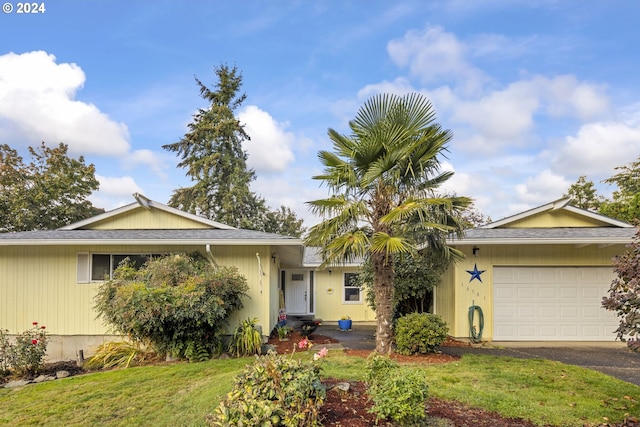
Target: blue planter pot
(344, 325)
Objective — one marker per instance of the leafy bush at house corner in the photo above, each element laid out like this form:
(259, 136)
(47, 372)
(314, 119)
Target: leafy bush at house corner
(275, 390)
(177, 303)
(420, 333)
(397, 396)
(624, 291)
(25, 355)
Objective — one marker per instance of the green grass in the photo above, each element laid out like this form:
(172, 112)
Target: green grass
(182, 394)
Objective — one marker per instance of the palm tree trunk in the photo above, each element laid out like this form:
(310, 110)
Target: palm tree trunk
(383, 292)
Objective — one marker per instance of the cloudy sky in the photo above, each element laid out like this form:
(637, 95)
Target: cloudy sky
(536, 93)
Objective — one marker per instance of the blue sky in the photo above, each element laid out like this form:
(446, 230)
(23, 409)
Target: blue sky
(535, 93)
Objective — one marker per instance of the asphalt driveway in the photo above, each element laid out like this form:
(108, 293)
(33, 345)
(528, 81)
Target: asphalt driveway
(609, 358)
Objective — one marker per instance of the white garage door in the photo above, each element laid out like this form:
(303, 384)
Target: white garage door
(552, 303)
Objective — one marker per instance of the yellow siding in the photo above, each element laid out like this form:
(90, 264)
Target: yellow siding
(466, 293)
(329, 304)
(554, 219)
(141, 218)
(444, 297)
(39, 284)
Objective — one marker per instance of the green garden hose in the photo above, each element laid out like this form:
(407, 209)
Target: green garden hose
(475, 334)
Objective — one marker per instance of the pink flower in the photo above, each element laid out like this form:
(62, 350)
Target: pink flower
(322, 353)
(34, 342)
(303, 343)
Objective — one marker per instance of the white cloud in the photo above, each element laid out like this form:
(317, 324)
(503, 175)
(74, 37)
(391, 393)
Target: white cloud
(542, 188)
(434, 55)
(37, 104)
(270, 148)
(399, 86)
(114, 191)
(598, 148)
(502, 116)
(154, 160)
(566, 96)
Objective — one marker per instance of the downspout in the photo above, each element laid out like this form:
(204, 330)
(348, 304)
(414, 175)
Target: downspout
(260, 271)
(210, 257)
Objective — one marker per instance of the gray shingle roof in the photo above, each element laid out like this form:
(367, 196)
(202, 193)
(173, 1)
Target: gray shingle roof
(164, 236)
(568, 235)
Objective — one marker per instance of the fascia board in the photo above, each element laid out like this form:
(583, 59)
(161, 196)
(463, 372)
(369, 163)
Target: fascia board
(146, 242)
(470, 242)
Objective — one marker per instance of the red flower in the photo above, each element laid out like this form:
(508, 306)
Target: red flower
(34, 342)
(35, 323)
(43, 327)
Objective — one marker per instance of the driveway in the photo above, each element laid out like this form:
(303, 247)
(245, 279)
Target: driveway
(611, 358)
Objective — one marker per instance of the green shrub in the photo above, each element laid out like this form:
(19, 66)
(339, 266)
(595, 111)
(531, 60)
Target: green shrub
(420, 333)
(397, 395)
(246, 339)
(177, 303)
(275, 390)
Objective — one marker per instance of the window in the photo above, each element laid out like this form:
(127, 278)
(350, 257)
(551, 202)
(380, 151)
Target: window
(352, 292)
(100, 267)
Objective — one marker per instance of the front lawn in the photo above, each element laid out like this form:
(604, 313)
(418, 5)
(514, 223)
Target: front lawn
(182, 394)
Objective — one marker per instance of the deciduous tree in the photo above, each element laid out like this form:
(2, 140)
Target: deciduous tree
(49, 192)
(624, 294)
(625, 203)
(584, 195)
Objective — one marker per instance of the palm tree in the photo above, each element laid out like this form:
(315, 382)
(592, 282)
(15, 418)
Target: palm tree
(384, 177)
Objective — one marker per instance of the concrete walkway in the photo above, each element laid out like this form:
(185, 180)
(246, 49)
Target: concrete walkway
(611, 358)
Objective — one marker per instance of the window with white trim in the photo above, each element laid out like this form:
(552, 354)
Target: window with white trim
(100, 267)
(351, 294)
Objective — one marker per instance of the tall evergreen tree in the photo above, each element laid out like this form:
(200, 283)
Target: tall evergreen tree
(211, 152)
(49, 192)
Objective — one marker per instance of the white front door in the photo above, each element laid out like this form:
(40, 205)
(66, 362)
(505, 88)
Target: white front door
(296, 291)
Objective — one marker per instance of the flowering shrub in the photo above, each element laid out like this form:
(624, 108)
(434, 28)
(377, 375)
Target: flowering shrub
(26, 354)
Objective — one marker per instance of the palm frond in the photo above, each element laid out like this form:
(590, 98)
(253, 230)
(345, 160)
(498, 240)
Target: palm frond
(390, 245)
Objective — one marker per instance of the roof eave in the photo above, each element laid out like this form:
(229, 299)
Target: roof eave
(150, 242)
(604, 241)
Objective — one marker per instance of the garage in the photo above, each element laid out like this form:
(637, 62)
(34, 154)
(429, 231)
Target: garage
(552, 304)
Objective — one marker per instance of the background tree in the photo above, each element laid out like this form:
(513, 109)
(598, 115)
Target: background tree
(49, 192)
(624, 294)
(415, 276)
(625, 203)
(384, 176)
(584, 195)
(472, 217)
(283, 221)
(212, 154)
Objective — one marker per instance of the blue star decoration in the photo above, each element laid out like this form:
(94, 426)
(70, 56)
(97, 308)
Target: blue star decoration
(475, 273)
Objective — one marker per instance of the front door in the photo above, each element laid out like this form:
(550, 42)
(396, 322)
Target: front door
(296, 292)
